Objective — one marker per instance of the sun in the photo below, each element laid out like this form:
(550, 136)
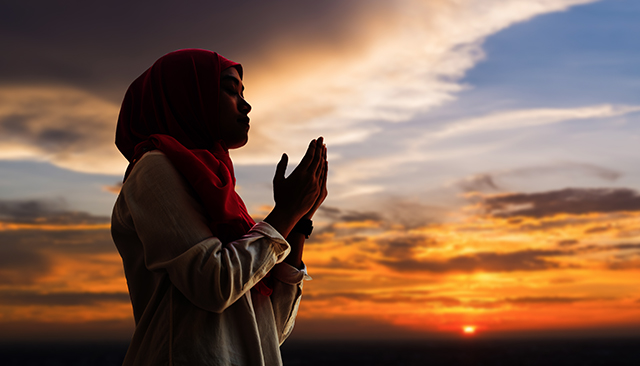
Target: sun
(469, 329)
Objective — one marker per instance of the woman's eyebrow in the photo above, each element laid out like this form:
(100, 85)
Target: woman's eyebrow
(232, 79)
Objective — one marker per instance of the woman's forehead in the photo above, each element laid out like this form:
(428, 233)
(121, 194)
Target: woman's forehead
(231, 71)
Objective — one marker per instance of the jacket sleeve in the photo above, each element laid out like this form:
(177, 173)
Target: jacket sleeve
(172, 228)
(286, 296)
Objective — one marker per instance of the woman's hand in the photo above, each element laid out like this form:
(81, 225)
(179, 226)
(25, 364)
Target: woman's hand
(323, 185)
(298, 194)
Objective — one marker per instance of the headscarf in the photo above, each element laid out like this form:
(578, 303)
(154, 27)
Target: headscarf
(173, 107)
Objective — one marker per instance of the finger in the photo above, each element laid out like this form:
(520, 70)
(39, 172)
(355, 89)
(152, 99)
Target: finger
(317, 156)
(323, 184)
(308, 156)
(325, 174)
(281, 168)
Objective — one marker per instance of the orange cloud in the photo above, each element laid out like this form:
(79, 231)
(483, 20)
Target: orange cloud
(502, 274)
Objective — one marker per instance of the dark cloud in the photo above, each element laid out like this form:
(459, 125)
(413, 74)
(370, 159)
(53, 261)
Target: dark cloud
(106, 45)
(26, 255)
(45, 212)
(337, 216)
(527, 300)
(357, 328)
(22, 298)
(561, 280)
(526, 260)
(349, 215)
(543, 225)
(30, 331)
(412, 213)
(386, 298)
(624, 265)
(58, 136)
(404, 247)
(626, 246)
(566, 201)
(424, 299)
(396, 211)
(357, 216)
(329, 211)
(598, 229)
(62, 241)
(21, 265)
(568, 242)
(606, 248)
(479, 183)
(336, 263)
(628, 259)
(565, 168)
(487, 181)
(15, 124)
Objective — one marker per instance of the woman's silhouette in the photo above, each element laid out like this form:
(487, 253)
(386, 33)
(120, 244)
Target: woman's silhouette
(208, 285)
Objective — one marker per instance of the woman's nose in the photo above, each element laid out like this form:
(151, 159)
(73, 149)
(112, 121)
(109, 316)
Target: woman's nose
(245, 107)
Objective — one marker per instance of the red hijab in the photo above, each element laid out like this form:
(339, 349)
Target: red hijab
(173, 107)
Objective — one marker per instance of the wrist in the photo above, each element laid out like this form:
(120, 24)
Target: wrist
(304, 226)
(282, 220)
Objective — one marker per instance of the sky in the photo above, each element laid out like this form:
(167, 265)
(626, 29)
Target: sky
(483, 159)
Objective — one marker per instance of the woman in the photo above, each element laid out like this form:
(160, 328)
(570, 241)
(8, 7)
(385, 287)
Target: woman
(208, 285)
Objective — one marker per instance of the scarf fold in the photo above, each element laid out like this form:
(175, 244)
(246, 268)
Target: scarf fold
(173, 107)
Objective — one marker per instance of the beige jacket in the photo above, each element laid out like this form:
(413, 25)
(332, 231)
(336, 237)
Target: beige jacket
(191, 296)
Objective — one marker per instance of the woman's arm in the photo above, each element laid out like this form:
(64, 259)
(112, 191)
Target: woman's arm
(287, 288)
(171, 225)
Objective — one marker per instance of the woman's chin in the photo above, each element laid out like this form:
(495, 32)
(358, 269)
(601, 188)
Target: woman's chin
(239, 143)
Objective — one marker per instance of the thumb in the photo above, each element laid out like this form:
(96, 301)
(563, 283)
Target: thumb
(281, 168)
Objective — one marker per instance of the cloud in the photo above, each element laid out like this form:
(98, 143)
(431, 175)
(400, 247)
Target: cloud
(20, 264)
(525, 260)
(529, 118)
(332, 328)
(564, 168)
(54, 330)
(29, 255)
(404, 57)
(478, 182)
(566, 201)
(530, 300)
(25, 298)
(493, 181)
(405, 246)
(421, 298)
(34, 233)
(568, 242)
(70, 128)
(351, 71)
(44, 212)
(115, 189)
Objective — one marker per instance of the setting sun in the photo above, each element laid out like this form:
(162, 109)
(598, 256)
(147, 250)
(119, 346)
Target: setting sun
(469, 329)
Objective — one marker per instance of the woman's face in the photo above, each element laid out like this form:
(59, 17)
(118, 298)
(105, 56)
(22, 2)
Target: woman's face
(234, 122)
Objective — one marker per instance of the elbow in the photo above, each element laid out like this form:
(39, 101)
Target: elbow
(220, 299)
(219, 305)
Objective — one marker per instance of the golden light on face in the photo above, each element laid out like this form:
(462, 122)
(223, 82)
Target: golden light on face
(469, 329)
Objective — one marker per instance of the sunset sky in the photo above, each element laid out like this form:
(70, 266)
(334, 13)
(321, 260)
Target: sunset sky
(483, 155)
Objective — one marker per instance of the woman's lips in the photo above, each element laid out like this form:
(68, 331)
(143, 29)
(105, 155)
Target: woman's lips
(244, 120)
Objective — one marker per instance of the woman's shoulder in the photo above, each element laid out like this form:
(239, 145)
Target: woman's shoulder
(155, 169)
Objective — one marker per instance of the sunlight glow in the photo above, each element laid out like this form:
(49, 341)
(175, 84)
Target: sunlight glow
(469, 329)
